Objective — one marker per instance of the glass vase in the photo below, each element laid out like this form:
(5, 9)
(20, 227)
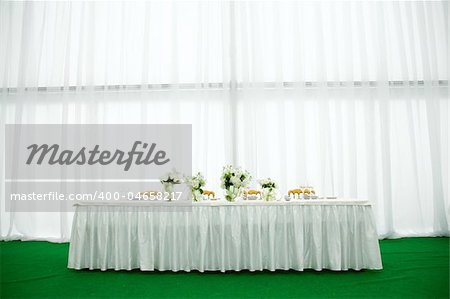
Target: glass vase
(268, 194)
(197, 195)
(168, 188)
(231, 193)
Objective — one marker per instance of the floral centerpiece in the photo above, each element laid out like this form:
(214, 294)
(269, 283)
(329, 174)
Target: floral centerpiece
(196, 183)
(269, 188)
(169, 180)
(233, 181)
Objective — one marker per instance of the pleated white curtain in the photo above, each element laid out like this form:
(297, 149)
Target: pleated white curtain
(207, 44)
(350, 97)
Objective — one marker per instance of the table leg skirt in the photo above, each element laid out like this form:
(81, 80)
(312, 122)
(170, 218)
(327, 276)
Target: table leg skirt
(225, 238)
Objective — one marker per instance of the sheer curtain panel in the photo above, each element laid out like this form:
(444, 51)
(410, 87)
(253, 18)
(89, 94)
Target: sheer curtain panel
(350, 97)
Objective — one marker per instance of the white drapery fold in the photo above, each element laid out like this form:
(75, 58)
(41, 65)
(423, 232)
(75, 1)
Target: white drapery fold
(351, 97)
(210, 44)
(222, 238)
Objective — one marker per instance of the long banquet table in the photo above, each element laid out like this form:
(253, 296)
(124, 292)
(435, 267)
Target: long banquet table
(220, 236)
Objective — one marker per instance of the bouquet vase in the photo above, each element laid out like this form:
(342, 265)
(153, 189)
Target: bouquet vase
(268, 194)
(197, 195)
(231, 193)
(168, 188)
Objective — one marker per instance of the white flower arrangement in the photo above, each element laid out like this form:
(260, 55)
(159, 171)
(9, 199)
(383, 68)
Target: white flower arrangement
(233, 180)
(269, 189)
(171, 178)
(168, 181)
(268, 184)
(196, 183)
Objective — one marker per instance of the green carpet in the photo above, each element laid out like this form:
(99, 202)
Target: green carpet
(413, 267)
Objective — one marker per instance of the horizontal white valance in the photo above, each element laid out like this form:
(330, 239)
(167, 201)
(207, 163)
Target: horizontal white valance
(210, 44)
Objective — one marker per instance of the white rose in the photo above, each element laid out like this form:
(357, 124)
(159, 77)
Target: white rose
(235, 180)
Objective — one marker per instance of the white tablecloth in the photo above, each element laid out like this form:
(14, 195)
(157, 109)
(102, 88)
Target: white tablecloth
(316, 234)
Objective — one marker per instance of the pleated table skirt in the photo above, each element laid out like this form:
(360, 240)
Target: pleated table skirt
(222, 236)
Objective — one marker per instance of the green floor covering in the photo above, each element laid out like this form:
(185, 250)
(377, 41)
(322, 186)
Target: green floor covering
(413, 267)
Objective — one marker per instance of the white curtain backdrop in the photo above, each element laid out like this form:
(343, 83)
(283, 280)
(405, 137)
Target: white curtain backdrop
(350, 97)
